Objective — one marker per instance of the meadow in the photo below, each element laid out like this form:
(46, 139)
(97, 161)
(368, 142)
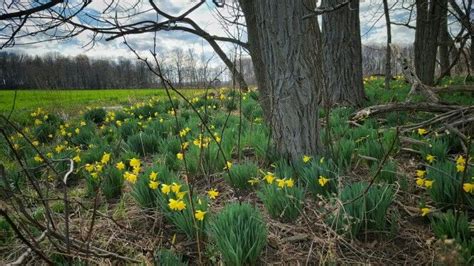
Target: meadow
(154, 182)
(76, 100)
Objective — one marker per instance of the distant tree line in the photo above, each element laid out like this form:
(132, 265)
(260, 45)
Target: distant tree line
(56, 71)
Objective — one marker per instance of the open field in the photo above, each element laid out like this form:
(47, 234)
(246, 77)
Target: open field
(71, 100)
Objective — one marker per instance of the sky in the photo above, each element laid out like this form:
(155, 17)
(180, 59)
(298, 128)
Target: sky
(372, 22)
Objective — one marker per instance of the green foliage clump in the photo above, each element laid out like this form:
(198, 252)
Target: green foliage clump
(361, 210)
(446, 186)
(240, 174)
(312, 173)
(96, 115)
(282, 201)
(144, 144)
(166, 257)
(239, 233)
(112, 183)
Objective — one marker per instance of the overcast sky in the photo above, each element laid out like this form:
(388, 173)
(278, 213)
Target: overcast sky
(371, 18)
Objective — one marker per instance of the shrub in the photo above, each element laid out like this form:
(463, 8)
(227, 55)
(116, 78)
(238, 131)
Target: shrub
(143, 144)
(361, 210)
(282, 201)
(240, 234)
(239, 174)
(96, 115)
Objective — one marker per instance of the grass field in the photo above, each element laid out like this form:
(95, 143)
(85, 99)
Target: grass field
(72, 100)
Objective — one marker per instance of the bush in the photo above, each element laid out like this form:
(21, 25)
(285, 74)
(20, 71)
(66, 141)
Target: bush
(281, 201)
(96, 115)
(240, 234)
(239, 174)
(361, 210)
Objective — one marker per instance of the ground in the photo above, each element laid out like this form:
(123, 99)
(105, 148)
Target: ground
(150, 179)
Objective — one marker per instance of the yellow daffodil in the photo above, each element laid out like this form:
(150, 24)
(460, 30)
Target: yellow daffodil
(89, 167)
(468, 187)
(429, 183)
(59, 148)
(253, 181)
(38, 159)
(176, 205)
(35, 143)
(420, 173)
(153, 176)
(77, 159)
(153, 184)
(425, 211)
(180, 195)
(199, 215)
(306, 158)
(322, 180)
(289, 182)
(105, 158)
(120, 165)
(280, 183)
(420, 181)
(460, 167)
(77, 130)
(134, 162)
(460, 160)
(228, 165)
(130, 177)
(165, 189)
(213, 193)
(269, 177)
(180, 156)
(422, 131)
(430, 158)
(175, 187)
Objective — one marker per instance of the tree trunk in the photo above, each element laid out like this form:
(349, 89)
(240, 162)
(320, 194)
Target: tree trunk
(428, 18)
(444, 40)
(342, 54)
(388, 53)
(286, 54)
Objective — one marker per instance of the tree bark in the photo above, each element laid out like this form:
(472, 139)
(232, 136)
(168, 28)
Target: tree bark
(428, 18)
(388, 53)
(342, 55)
(286, 54)
(444, 40)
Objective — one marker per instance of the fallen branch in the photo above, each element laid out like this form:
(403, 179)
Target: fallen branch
(405, 106)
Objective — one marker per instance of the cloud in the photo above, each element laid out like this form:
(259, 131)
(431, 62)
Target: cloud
(372, 21)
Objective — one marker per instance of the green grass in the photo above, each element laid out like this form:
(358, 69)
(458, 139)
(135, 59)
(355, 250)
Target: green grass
(74, 100)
